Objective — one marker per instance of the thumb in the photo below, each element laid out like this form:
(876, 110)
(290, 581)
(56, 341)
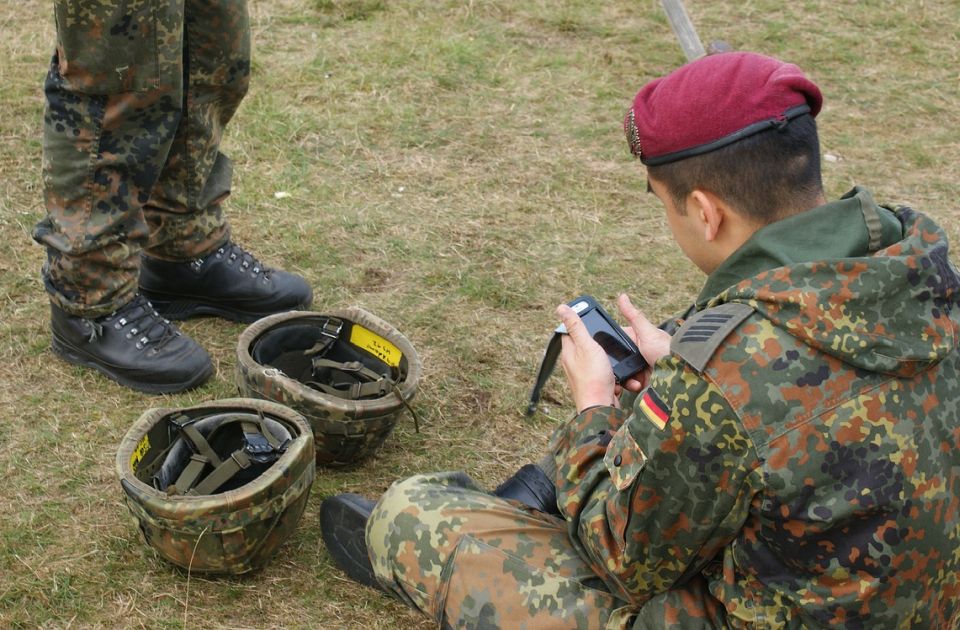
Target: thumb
(640, 324)
(573, 324)
(653, 342)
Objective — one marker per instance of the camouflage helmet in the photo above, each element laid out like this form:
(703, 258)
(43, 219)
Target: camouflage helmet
(348, 372)
(218, 487)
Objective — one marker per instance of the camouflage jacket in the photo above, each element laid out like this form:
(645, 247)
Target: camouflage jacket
(800, 447)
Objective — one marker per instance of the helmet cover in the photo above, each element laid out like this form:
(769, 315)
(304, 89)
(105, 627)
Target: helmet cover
(232, 523)
(348, 372)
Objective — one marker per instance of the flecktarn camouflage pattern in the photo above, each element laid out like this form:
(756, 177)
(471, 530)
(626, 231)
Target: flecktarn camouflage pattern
(469, 559)
(121, 171)
(232, 531)
(798, 453)
(795, 461)
(301, 359)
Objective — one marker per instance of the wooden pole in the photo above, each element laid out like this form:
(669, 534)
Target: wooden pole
(683, 28)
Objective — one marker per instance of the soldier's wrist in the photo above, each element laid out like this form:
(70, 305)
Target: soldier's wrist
(594, 406)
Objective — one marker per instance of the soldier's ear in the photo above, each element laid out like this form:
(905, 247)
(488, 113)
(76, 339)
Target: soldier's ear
(710, 211)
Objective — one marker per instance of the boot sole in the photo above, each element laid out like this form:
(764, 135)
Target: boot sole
(181, 309)
(77, 357)
(343, 529)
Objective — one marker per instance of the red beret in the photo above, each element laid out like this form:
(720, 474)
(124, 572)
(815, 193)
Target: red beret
(713, 101)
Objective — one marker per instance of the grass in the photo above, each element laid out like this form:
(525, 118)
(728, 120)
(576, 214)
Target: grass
(457, 168)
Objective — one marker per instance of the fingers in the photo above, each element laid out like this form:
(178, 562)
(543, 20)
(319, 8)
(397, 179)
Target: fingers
(571, 321)
(566, 348)
(653, 342)
(568, 353)
(586, 365)
(626, 307)
(638, 322)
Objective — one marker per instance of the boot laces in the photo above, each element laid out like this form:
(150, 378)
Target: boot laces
(245, 261)
(141, 322)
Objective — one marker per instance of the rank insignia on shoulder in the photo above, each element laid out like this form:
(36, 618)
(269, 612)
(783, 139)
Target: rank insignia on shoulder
(654, 409)
(703, 333)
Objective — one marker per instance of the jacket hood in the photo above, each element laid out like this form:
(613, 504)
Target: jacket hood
(876, 289)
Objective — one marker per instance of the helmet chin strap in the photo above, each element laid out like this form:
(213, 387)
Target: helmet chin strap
(260, 447)
(349, 379)
(345, 379)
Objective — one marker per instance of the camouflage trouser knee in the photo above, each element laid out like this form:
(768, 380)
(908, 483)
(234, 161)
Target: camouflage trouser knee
(472, 560)
(138, 93)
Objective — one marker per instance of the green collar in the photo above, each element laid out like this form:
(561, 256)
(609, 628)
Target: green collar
(851, 227)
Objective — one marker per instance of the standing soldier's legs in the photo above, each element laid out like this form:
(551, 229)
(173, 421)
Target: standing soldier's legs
(184, 212)
(470, 559)
(138, 94)
(191, 267)
(114, 94)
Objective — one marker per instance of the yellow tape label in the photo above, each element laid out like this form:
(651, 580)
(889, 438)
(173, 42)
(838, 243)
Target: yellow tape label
(375, 345)
(138, 453)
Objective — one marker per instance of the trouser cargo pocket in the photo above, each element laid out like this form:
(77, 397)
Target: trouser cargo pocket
(485, 587)
(109, 46)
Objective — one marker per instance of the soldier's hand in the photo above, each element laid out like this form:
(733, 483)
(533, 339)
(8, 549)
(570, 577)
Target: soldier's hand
(585, 364)
(653, 342)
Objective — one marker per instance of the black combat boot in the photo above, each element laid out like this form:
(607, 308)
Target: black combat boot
(530, 486)
(343, 524)
(230, 283)
(134, 346)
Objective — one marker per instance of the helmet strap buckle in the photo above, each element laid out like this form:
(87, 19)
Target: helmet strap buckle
(329, 332)
(242, 459)
(191, 473)
(332, 328)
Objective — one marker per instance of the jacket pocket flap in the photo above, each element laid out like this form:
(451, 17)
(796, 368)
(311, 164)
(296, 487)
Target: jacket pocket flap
(624, 458)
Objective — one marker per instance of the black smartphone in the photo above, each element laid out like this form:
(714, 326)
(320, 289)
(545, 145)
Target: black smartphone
(625, 357)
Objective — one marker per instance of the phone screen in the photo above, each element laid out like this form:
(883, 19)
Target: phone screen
(600, 330)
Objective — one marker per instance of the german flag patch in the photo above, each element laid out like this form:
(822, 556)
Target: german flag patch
(654, 409)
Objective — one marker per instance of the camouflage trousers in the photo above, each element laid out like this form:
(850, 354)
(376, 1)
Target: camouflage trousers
(137, 95)
(469, 559)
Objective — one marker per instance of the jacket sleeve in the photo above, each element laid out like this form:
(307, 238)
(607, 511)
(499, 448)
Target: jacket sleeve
(652, 494)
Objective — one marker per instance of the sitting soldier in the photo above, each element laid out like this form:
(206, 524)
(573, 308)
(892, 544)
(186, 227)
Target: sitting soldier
(792, 456)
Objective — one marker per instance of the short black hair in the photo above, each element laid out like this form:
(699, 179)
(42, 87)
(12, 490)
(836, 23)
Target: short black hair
(766, 177)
